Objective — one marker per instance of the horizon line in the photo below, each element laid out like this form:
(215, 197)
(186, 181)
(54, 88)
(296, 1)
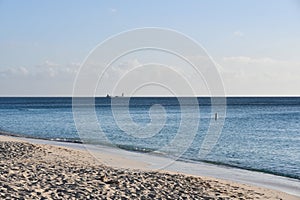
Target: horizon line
(141, 96)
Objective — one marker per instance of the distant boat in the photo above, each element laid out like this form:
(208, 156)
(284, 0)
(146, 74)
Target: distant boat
(108, 96)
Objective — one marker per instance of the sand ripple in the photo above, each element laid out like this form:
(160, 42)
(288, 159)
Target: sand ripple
(31, 171)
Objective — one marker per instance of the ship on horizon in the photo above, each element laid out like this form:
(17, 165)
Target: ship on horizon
(108, 96)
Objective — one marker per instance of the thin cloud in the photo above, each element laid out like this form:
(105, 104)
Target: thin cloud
(260, 76)
(113, 10)
(14, 72)
(238, 34)
(47, 69)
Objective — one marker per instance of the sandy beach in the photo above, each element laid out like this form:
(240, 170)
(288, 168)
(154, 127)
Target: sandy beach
(42, 171)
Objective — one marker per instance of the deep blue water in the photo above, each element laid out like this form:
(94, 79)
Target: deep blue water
(260, 134)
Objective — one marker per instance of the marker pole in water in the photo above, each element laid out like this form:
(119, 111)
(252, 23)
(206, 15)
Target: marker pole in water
(216, 116)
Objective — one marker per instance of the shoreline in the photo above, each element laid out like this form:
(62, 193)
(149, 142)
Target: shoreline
(66, 142)
(121, 159)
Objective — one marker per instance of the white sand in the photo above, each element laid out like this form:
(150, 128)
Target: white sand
(125, 159)
(48, 171)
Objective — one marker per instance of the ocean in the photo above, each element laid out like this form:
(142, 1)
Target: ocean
(259, 133)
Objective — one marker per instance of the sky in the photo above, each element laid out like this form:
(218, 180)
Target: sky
(254, 43)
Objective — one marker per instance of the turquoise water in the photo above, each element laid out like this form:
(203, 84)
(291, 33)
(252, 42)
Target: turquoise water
(260, 134)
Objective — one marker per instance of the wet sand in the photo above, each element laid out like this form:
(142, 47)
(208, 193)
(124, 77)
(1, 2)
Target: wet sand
(43, 171)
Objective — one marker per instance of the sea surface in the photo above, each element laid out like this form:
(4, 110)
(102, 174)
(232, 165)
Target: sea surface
(259, 133)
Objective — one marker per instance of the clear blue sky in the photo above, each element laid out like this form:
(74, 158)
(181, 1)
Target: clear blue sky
(61, 33)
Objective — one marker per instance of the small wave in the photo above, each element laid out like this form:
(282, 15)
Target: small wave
(153, 151)
(135, 148)
(69, 140)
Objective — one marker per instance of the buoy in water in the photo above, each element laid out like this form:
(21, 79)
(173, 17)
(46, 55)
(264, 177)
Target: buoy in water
(216, 116)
